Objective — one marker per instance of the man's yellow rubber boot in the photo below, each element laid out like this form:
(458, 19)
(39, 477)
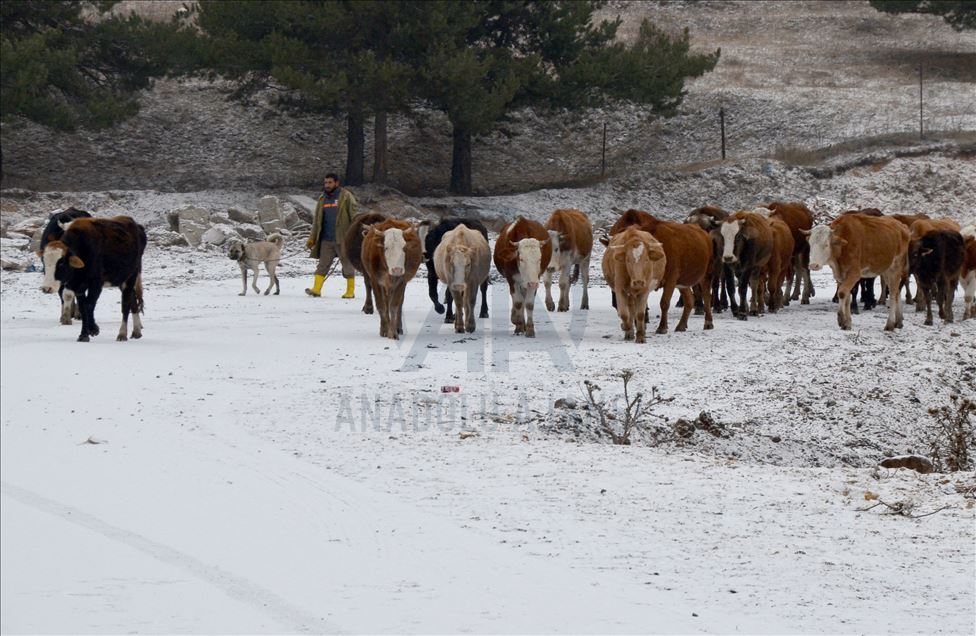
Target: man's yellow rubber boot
(350, 288)
(316, 288)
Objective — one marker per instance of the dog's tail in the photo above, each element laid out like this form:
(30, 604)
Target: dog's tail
(276, 238)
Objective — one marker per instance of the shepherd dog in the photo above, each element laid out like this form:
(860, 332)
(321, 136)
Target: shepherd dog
(249, 256)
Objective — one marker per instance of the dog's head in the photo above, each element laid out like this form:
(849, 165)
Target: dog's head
(236, 251)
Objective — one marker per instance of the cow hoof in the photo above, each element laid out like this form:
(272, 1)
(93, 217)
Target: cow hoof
(121, 338)
(458, 329)
(66, 322)
(585, 306)
(469, 328)
(83, 338)
(805, 301)
(368, 310)
(742, 317)
(267, 292)
(681, 328)
(483, 314)
(530, 333)
(94, 330)
(708, 326)
(661, 330)
(640, 339)
(439, 308)
(550, 306)
(136, 335)
(448, 318)
(277, 292)
(928, 322)
(561, 308)
(628, 335)
(242, 294)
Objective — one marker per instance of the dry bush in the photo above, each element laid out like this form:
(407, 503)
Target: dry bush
(619, 425)
(953, 443)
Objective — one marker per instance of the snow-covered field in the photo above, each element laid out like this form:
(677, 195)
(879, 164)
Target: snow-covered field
(269, 464)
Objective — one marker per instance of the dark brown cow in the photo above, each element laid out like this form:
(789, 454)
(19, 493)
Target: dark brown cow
(352, 247)
(571, 237)
(97, 253)
(798, 217)
(749, 245)
(779, 269)
(391, 254)
(936, 259)
(688, 250)
(522, 252)
(857, 245)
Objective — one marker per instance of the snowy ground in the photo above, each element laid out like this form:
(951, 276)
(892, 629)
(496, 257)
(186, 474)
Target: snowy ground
(271, 465)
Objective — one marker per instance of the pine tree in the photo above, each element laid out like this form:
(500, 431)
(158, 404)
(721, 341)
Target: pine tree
(961, 14)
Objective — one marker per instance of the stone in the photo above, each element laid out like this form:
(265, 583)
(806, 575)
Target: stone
(240, 216)
(12, 266)
(917, 463)
(251, 232)
(214, 236)
(565, 403)
(166, 238)
(269, 214)
(290, 216)
(192, 232)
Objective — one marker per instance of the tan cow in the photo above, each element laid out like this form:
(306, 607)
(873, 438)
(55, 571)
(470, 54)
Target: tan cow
(857, 245)
(391, 255)
(633, 265)
(571, 237)
(462, 261)
(798, 217)
(968, 277)
(522, 252)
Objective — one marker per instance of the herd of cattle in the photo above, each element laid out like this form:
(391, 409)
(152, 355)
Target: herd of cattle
(765, 254)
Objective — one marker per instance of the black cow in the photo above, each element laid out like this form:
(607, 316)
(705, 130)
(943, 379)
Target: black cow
(431, 236)
(936, 260)
(52, 232)
(96, 253)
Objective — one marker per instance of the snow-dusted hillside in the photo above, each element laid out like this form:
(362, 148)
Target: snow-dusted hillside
(270, 464)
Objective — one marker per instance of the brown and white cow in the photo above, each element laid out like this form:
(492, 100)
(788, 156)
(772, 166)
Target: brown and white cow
(709, 218)
(522, 252)
(571, 237)
(462, 261)
(97, 253)
(352, 247)
(968, 274)
(391, 254)
(52, 232)
(858, 245)
(784, 258)
(688, 249)
(748, 247)
(798, 217)
(633, 265)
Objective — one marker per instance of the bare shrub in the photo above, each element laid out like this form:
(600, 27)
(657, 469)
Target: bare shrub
(617, 424)
(954, 441)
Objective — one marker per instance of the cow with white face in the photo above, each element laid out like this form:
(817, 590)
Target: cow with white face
(633, 266)
(748, 245)
(522, 252)
(462, 261)
(856, 246)
(391, 255)
(52, 233)
(571, 237)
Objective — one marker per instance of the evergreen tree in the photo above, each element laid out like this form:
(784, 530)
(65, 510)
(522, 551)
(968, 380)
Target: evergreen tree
(63, 71)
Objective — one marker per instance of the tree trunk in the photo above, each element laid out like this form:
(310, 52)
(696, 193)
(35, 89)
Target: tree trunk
(355, 150)
(461, 162)
(379, 148)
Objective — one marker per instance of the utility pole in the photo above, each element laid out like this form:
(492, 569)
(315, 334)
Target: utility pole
(921, 98)
(603, 158)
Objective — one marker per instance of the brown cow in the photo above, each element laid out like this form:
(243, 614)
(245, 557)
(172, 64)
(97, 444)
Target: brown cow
(391, 254)
(856, 245)
(968, 276)
(748, 247)
(781, 262)
(352, 247)
(798, 217)
(571, 237)
(633, 265)
(522, 252)
(688, 249)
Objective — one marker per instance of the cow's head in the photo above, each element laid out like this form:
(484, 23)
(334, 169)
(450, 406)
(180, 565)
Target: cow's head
(641, 262)
(423, 228)
(394, 248)
(58, 260)
(822, 245)
(529, 251)
(734, 234)
(554, 239)
(460, 264)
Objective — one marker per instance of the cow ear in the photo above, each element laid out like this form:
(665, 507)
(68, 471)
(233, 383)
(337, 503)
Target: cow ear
(76, 262)
(839, 242)
(656, 255)
(806, 232)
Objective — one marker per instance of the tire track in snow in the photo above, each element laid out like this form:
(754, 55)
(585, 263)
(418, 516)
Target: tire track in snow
(239, 588)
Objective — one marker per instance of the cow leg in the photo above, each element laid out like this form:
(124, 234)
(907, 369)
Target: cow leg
(969, 295)
(699, 304)
(243, 280)
(128, 301)
(518, 316)
(396, 308)
(844, 290)
(382, 307)
(432, 288)
(470, 296)
(714, 286)
(368, 305)
(756, 285)
(729, 277)
(662, 326)
(547, 280)
(449, 306)
(808, 289)
(459, 311)
(584, 266)
(921, 300)
(926, 292)
(893, 281)
(484, 300)
(742, 312)
(85, 334)
(565, 281)
(638, 309)
(625, 311)
(854, 291)
(529, 309)
(68, 305)
(707, 299)
(613, 299)
(689, 299)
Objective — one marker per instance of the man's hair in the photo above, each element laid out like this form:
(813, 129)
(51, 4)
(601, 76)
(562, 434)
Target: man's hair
(332, 176)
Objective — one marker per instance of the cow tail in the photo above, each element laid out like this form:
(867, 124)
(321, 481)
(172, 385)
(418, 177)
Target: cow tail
(575, 274)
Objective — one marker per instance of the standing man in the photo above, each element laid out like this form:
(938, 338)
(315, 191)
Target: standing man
(333, 216)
